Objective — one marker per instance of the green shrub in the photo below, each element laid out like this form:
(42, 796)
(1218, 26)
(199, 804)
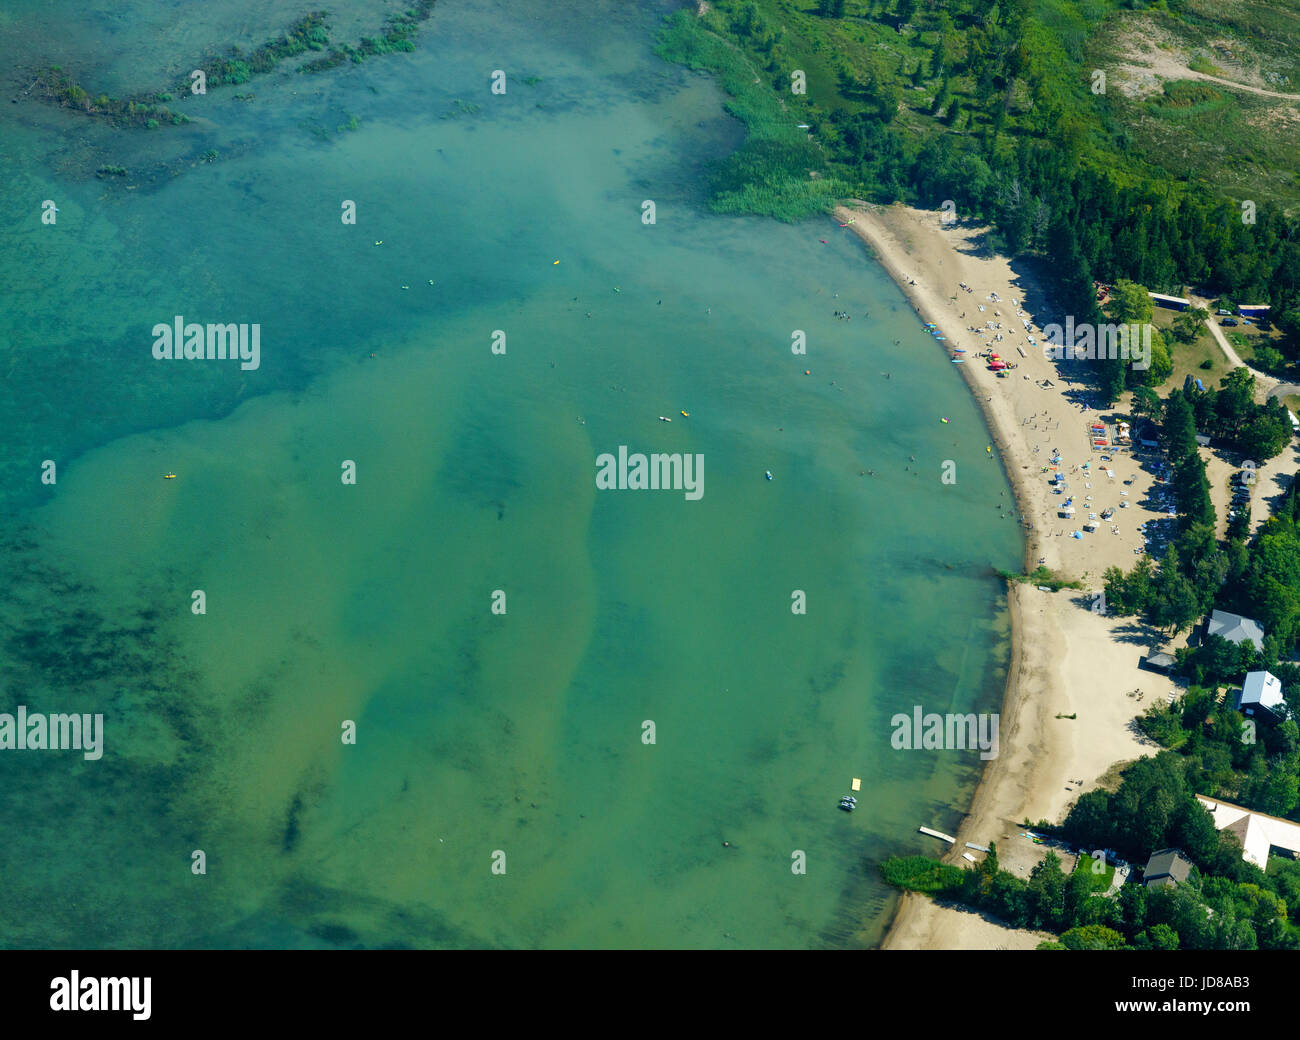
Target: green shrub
(920, 874)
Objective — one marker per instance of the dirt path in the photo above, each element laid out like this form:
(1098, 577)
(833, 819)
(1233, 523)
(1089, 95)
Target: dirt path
(1166, 67)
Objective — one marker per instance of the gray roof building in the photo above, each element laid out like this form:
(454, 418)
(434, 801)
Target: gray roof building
(1159, 662)
(1168, 867)
(1235, 628)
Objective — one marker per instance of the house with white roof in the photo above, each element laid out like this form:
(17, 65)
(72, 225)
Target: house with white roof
(1257, 832)
(1262, 690)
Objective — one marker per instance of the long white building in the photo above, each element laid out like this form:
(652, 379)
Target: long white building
(1257, 832)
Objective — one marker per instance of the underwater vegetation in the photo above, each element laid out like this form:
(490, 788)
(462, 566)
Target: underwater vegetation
(309, 34)
(140, 111)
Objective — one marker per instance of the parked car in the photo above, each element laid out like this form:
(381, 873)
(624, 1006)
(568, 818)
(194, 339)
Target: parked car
(1224, 311)
(1228, 321)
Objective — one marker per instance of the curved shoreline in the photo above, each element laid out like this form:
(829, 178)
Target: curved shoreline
(1072, 652)
(887, 255)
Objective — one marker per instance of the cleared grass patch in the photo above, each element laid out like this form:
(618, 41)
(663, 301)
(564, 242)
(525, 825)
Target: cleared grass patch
(1188, 358)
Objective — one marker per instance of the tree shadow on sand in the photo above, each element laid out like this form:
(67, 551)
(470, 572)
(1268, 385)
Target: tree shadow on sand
(1134, 631)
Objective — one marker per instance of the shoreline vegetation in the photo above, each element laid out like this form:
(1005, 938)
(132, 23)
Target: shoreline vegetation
(777, 171)
(981, 159)
(1042, 578)
(310, 34)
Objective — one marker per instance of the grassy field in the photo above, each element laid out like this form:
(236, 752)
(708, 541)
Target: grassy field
(1188, 357)
(1251, 38)
(1101, 881)
(922, 72)
(1231, 140)
(1237, 143)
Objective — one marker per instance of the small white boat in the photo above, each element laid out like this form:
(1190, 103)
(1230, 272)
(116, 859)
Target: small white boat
(664, 418)
(767, 473)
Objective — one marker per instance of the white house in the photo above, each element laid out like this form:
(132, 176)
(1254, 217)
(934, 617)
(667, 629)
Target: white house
(1257, 832)
(1260, 690)
(1175, 303)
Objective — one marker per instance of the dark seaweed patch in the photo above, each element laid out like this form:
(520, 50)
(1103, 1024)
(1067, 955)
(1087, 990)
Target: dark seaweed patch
(291, 827)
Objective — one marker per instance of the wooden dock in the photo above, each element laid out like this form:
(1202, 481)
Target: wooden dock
(977, 848)
(938, 834)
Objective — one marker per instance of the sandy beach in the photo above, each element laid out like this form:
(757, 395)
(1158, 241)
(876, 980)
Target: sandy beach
(1067, 658)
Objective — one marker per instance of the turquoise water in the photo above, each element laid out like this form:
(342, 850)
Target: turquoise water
(478, 733)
